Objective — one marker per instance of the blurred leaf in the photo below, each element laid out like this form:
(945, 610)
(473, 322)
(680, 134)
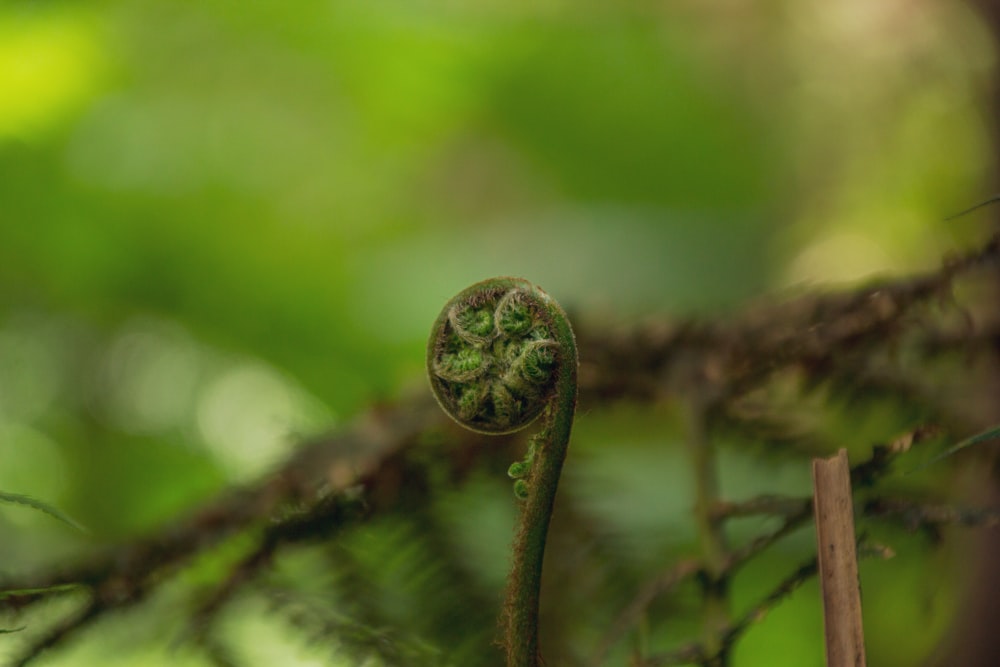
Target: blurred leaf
(19, 499)
(985, 436)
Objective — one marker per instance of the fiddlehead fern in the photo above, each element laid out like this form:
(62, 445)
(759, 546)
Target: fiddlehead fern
(501, 353)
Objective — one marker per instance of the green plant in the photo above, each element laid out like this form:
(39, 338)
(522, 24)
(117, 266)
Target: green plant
(360, 541)
(28, 501)
(501, 353)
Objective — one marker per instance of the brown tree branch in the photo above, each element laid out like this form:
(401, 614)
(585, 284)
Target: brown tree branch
(308, 496)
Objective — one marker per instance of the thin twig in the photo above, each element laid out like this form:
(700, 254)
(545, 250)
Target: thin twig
(765, 504)
(711, 533)
(60, 632)
(916, 515)
(838, 561)
(796, 512)
(643, 364)
(697, 652)
(631, 614)
(792, 522)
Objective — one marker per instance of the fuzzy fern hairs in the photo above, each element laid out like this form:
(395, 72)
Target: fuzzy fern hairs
(501, 354)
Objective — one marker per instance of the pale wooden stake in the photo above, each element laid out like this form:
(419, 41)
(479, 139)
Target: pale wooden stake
(838, 561)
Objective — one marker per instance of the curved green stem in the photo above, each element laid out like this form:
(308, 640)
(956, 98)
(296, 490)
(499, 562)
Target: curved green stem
(501, 352)
(521, 606)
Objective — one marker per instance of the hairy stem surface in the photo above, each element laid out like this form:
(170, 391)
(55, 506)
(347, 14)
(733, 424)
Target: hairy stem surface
(501, 353)
(521, 607)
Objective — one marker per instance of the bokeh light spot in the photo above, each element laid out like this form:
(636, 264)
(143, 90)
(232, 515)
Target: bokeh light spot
(50, 64)
(250, 415)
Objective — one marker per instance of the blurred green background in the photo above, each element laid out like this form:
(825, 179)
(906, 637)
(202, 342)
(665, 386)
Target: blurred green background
(228, 225)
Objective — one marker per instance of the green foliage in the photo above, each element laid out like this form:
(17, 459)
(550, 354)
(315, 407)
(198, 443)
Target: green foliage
(33, 503)
(225, 226)
(988, 435)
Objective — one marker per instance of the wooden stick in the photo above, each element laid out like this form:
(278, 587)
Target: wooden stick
(838, 562)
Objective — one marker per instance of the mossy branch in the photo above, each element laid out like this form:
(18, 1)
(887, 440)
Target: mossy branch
(638, 364)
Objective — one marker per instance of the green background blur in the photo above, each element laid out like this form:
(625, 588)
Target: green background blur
(228, 225)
